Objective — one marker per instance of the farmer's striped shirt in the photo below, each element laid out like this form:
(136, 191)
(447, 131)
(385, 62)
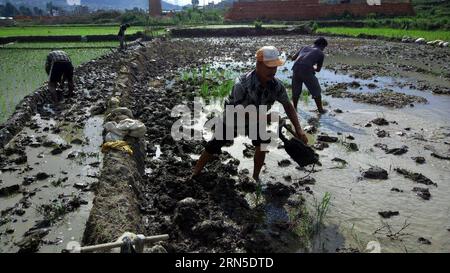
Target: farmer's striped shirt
(57, 56)
(247, 90)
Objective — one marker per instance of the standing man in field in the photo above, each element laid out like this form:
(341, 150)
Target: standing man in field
(308, 61)
(59, 68)
(256, 88)
(121, 35)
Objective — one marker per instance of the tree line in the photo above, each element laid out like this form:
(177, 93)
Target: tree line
(10, 10)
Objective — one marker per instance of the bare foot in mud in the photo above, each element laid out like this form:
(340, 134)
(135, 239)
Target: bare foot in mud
(320, 112)
(192, 177)
(255, 180)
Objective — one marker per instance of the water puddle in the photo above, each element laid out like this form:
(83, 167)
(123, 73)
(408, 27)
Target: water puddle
(71, 173)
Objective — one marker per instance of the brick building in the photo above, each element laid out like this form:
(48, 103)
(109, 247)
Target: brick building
(292, 10)
(155, 8)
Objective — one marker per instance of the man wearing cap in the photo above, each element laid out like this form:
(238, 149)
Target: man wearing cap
(256, 88)
(308, 61)
(59, 68)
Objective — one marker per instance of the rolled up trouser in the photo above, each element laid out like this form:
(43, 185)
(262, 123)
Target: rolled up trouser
(305, 76)
(122, 42)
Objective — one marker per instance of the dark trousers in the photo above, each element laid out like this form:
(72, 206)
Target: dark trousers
(214, 146)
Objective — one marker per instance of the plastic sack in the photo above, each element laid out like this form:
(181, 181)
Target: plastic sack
(112, 137)
(111, 127)
(122, 111)
(132, 127)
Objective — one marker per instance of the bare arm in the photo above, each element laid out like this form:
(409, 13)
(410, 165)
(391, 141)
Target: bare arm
(47, 65)
(295, 56)
(292, 115)
(319, 64)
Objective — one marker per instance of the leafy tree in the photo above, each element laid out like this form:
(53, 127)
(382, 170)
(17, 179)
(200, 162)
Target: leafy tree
(195, 3)
(50, 8)
(25, 11)
(37, 11)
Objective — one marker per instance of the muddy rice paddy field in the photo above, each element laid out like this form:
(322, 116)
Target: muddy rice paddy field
(22, 67)
(384, 148)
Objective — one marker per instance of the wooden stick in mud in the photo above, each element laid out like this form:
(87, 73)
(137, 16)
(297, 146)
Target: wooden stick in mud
(107, 246)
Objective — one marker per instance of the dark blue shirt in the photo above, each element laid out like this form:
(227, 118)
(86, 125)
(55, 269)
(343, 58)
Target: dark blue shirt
(309, 56)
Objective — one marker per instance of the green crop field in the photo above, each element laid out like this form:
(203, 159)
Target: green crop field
(59, 45)
(63, 30)
(388, 32)
(22, 70)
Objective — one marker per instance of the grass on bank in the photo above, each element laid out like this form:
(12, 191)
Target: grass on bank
(388, 32)
(307, 224)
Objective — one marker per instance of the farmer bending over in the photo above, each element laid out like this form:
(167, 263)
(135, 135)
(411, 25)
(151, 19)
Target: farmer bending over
(59, 68)
(258, 87)
(308, 61)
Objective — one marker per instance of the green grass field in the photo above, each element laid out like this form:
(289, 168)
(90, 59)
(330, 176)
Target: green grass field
(60, 45)
(388, 32)
(22, 71)
(63, 30)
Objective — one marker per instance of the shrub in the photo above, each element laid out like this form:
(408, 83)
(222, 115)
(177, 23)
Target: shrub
(258, 24)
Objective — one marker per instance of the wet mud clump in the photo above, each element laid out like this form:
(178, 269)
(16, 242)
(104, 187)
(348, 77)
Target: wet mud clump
(416, 177)
(388, 214)
(375, 173)
(423, 193)
(385, 97)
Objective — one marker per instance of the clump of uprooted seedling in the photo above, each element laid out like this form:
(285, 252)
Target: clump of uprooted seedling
(211, 83)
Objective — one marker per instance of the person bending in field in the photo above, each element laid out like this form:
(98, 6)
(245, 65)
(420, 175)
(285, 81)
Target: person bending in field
(308, 61)
(121, 35)
(60, 69)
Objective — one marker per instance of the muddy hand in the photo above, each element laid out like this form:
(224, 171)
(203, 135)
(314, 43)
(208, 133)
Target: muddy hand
(302, 136)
